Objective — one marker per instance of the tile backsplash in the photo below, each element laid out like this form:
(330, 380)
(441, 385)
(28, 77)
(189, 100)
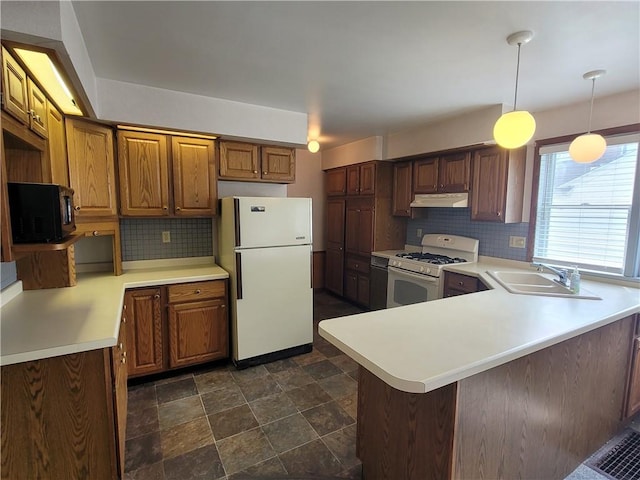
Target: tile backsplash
(494, 237)
(142, 238)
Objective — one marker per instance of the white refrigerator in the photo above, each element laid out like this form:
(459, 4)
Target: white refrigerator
(265, 245)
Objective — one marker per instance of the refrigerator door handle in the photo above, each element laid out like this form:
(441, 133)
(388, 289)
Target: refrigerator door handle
(238, 276)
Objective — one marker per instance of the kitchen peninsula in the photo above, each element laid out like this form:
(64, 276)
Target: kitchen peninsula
(491, 384)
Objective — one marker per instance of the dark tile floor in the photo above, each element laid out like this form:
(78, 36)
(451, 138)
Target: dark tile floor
(293, 418)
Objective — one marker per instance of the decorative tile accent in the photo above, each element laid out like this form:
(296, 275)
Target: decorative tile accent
(141, 238)
(493, 236)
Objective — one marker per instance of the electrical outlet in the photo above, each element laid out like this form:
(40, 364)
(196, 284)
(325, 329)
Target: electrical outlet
(419, 233)
(166, 237)
(517, 242)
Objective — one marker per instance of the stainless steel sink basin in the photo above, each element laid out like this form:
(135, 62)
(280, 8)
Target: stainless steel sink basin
(533, 283)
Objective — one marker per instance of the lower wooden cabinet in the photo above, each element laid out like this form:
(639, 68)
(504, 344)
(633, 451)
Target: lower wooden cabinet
(458, 284)
(632, 404)
(356, 280)
(176, 326)
(64, 417)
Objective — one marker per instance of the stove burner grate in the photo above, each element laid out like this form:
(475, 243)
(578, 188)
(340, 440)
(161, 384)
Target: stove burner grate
(431, 258)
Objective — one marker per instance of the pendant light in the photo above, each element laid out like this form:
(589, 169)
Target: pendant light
(313, 146)
(514, 129)
(589, 147)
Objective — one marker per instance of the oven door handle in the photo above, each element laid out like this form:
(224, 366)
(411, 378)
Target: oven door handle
(417, 276)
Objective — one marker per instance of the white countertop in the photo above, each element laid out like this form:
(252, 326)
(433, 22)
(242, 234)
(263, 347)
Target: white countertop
(418, 348)
(46, 323)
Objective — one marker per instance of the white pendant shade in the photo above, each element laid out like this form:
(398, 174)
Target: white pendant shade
(514, 129)
(313, 146)
(587, 148)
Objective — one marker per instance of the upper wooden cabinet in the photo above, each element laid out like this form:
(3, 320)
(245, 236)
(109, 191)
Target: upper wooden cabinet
(21, 97)
(91, 169)
(402, 194)
(150, 187)
(336, 182)
(498, 185)
(444, 174)
(361, 179)
(57, 146)
(246, 161)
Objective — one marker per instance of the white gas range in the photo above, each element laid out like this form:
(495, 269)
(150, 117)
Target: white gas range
(414, 277)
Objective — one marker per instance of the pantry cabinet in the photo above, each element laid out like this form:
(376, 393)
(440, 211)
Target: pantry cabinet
(91, 169)
(163, 175)
(402, 193)
(361, 218)
(246, 161)
(176, 326)
(498, 185)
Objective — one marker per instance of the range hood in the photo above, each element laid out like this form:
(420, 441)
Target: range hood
(441, 200)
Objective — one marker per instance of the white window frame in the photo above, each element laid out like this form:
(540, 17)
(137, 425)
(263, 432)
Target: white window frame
(631, 267)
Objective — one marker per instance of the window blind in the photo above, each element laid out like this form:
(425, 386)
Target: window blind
(583, 214)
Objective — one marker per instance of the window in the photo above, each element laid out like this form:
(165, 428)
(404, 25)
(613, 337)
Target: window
(587, 214)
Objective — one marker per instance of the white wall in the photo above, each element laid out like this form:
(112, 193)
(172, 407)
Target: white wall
(310, 183)
(364, 150)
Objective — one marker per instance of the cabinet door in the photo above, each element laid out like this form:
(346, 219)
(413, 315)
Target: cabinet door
(14, 88)
(454, 171)
(278, 164)
(334, 275)
(57, 146)
(633, 392)
(425, 175)
(38, 109)
(402, 189)
(119, 368)
(353, 180)
(351, 285)
(352, 228)
(91, 168)
(194, 179)
(489, 185)
(144, 330)
(363, 289)
(365, 229)
(367, 179)
(336, 182)
(335, 223)
(144, 179)
(239, 161)
(198, 332)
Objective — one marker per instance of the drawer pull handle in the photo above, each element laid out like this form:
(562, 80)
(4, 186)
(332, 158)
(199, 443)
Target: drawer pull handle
(156, 296)
(76, 208)
(95, 233)
(198, 291)
(164, 207)
(178, 208)
(461, 283)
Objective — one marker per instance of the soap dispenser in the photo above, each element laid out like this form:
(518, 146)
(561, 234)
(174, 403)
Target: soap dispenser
(574, 280)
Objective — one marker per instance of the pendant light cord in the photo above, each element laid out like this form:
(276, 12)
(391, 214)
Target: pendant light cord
(515, 97)
(593, 87)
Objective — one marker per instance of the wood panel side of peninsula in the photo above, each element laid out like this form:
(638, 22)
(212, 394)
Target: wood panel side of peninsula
(538, 416)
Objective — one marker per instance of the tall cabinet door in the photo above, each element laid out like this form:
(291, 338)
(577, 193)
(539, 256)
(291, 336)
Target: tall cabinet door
(143, 167)
(144, 331)
(91, 168)
(334, 268)
(489, 185)
(57, 146)
(194, 176)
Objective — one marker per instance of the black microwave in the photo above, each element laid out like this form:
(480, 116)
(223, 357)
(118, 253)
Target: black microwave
(40, 212)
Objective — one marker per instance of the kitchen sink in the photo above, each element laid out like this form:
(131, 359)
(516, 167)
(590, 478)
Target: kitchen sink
(533, 283)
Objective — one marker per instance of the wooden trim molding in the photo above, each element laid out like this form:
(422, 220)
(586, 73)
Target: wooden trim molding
(319, 260)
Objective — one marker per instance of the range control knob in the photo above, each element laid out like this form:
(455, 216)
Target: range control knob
(428, 271)
(421, 269)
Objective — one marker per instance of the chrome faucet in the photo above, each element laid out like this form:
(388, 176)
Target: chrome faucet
(563, 274)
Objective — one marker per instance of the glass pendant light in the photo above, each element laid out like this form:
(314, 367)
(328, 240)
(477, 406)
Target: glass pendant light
(514, 129)
(589, 147)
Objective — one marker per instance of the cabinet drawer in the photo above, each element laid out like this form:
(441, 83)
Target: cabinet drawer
(358, 265)
(186, 292)
(457, 281)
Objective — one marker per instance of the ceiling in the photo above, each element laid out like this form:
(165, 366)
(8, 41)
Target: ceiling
(367, 68)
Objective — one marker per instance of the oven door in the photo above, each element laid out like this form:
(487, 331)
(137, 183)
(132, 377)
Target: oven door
(405, 288)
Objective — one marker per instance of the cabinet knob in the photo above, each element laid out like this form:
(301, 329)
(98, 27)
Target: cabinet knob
(499, 214)
(124, 319)
(264, 173)
(255, 171)
(120, 346)
(164, 207)
(76, 208)
(223, 306)
(156, 296)
(178, 209)
(461, 283)
(442, 185)
(95, 233)
(124, 360)
(32, 112)
(198, 291)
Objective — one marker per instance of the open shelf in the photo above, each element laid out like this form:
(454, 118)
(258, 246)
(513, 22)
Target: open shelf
(22, 248)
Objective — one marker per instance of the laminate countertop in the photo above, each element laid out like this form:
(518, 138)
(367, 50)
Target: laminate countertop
(421, 347)
(46, 323)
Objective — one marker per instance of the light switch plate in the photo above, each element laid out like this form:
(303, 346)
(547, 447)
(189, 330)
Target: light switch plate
(166, 237)
(419, 232)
